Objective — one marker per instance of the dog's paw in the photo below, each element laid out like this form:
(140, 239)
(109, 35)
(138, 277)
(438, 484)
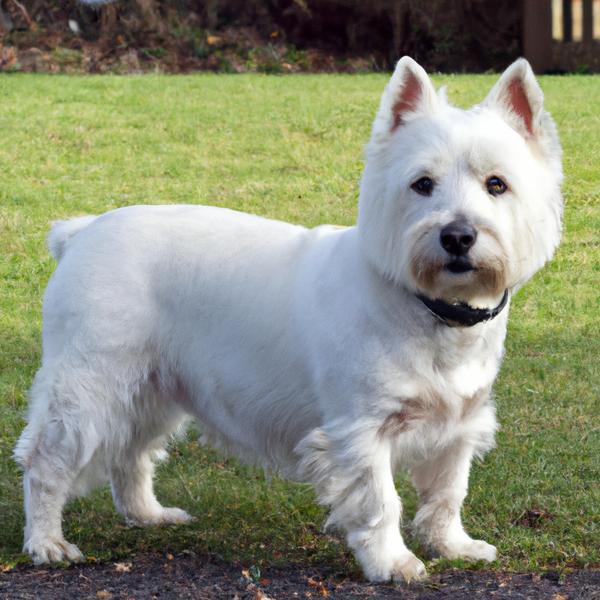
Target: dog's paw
(52, 550)
(471, 550)
(173, 515)
(408, 569)
(164, 516)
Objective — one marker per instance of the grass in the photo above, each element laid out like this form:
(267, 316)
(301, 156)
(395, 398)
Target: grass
(290, 148)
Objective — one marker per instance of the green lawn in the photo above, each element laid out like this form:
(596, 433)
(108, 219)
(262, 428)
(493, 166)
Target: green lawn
(290, 148)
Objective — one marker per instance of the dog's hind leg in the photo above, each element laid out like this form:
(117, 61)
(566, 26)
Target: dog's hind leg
(56, 445)
(132, 466)
(133, 493)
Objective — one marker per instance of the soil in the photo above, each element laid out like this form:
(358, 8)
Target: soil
(180, 577)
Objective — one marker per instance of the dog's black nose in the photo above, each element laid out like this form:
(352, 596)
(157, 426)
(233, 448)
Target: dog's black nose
(458, 237)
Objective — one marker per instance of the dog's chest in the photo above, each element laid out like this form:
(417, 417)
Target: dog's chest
(463, 379)
(439, 400)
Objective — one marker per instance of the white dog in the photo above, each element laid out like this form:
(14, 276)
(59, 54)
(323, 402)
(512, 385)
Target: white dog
(334, 355)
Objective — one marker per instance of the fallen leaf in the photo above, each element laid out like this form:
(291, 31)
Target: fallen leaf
(534, 518)
(318, 585)
(122, 567)
(103, 594)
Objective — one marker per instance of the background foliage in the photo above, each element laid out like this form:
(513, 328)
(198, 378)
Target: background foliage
(268, 35)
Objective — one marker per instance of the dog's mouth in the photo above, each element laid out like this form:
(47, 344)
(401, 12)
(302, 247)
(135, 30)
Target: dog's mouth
(458, 265)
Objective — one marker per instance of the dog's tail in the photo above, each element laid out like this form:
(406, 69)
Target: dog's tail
(62, 231)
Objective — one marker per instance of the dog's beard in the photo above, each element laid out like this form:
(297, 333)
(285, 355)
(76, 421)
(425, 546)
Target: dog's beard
(487, 280)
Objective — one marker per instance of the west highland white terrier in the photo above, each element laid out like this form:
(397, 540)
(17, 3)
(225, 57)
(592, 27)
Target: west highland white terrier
(335, 356)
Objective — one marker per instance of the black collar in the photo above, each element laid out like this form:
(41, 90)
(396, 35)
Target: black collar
(461, 314)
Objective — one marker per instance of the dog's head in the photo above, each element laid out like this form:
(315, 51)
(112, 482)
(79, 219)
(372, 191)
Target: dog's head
(461, 205)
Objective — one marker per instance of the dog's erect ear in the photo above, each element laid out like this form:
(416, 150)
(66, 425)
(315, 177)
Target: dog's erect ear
(518, 98)
(409, 93)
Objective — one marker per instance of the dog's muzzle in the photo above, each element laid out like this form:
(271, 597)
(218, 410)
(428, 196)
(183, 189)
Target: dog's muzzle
(461, 314)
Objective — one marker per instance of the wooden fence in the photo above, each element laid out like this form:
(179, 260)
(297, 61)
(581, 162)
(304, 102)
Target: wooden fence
(562, 35)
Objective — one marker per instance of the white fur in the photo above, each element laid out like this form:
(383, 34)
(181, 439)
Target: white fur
(305, 351)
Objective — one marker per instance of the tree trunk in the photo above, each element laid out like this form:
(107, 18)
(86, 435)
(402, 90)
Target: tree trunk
(6, 23)
(150, 16)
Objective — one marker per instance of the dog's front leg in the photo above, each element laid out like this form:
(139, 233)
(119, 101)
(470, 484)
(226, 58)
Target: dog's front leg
(353, 475)
(374, 533)
(442, 486)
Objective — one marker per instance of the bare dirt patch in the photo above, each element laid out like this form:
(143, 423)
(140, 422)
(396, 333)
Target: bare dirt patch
(165, 576)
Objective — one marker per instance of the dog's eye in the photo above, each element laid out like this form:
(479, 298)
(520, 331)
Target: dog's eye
(423, 186)
(495, 186)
